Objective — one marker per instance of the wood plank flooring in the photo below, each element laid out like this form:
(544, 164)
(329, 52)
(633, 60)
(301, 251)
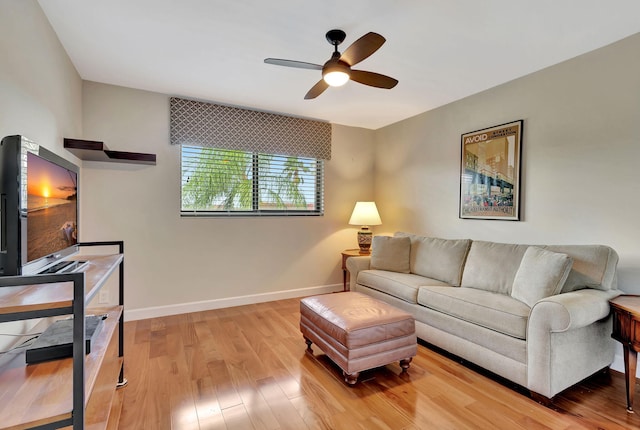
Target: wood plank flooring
(246, 368)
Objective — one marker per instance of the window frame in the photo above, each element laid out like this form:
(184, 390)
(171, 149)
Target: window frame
(256, 211)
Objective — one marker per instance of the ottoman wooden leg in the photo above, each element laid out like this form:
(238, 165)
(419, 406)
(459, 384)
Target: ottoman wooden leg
(352, 378)
(405, 363)
(308, 342)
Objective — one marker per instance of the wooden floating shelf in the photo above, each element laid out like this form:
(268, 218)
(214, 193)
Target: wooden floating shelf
(92, 150)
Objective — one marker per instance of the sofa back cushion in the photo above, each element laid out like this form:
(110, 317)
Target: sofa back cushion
(492, 266)
(594, 266)
(441, 259)
(542, 273)
(390, 253)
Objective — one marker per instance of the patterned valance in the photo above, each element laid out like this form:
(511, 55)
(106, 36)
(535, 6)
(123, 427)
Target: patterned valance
(207, 124)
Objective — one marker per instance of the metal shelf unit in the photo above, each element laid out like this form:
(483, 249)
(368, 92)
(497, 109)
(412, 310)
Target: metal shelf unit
(48, 295)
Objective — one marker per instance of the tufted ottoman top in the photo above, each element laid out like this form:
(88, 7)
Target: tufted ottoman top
(355, 319)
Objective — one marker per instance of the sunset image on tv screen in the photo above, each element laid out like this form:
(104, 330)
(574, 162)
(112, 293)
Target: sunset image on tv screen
(51, 207)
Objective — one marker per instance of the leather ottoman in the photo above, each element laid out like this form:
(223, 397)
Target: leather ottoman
(358, 332)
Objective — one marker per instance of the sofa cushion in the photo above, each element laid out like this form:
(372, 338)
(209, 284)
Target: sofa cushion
(492, 266)
(441, 259)
(454, 329)
(401, 285)
(494, 311)
(594, 266)
(541, 274)
(390, 253)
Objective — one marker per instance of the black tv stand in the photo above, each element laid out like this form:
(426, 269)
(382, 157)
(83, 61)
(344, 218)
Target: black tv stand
(78, 391)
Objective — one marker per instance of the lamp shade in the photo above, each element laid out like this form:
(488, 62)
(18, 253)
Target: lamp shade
(365, 213)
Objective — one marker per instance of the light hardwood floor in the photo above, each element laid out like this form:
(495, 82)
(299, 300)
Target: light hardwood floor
(246, 368)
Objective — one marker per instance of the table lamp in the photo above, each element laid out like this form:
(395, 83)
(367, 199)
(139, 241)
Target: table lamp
(365, 214)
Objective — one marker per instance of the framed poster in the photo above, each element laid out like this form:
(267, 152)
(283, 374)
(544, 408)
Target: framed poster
(490, 173)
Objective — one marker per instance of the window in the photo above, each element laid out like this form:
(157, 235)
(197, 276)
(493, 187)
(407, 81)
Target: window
(229, 182)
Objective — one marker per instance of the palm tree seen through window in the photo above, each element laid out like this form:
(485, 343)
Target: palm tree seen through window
(220, 180)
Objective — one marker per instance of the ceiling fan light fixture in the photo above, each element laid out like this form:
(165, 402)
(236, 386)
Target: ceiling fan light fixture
(335, 72)
(336, 78)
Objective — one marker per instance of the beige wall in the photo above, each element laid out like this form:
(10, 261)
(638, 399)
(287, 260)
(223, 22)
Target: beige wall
(39, 89)
(39, 86)
(581, 158)
(172, 260)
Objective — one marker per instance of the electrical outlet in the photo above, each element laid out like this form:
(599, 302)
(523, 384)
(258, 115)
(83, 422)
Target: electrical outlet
(103, 297)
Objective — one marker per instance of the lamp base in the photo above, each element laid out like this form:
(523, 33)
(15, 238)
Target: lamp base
(364, 240)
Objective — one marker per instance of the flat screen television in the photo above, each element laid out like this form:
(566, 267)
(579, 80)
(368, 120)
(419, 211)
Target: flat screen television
(39, 207)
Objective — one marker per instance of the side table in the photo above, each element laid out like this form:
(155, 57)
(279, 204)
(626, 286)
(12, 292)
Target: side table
(626, 329)
(345, 256)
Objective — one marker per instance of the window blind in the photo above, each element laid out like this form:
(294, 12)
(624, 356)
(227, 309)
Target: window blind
(229, 182)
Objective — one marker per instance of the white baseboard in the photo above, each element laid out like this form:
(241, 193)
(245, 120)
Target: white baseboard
(183, 308)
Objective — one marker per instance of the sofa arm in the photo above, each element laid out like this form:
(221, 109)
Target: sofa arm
(572, 310)
(568, 339)
(354, 266)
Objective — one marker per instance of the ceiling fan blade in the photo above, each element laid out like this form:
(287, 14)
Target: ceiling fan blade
(316, 90)
(362, 48)
(292, 63)
(373, 79)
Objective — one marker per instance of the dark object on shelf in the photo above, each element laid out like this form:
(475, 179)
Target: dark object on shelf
(57, 340)
(92, 150)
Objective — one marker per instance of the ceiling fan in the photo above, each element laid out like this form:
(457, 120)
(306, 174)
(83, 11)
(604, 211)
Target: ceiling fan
(337, 70)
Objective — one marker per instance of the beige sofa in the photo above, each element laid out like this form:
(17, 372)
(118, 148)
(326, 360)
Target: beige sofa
(536, 315)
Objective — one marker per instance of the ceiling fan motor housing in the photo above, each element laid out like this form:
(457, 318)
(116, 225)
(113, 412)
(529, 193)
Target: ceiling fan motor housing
(336, 72)
(335, 66)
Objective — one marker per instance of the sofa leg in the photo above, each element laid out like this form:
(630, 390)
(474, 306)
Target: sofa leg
(308, 342)
(352, 378)
(541, 399)
(405, 363)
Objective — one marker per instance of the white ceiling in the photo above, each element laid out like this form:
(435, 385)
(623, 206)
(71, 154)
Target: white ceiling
(439, 50)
